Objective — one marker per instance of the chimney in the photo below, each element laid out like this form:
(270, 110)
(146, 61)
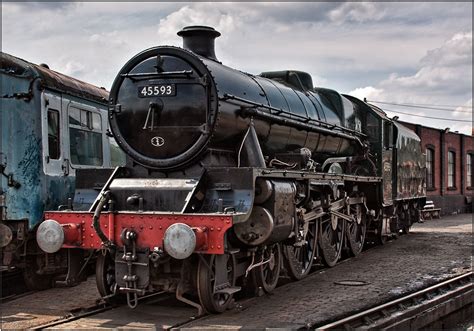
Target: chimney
(200, 40)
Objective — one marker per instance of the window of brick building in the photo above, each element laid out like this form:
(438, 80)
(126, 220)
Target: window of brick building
(451, 169)
(469, 169)
(429, 168)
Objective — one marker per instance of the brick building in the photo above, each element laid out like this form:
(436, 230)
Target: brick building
(449, 167)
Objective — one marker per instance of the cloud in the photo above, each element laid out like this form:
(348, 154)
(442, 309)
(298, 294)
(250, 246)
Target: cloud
(72, 68)
(464, 110)
(457, 51)
(357, 12)
(443, 76)
(369, 92)
(46, 5)
(446, 70)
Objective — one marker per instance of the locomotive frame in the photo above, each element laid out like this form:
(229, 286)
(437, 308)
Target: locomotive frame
(263, 173)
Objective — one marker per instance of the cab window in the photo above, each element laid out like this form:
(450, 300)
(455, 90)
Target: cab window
(85, 137)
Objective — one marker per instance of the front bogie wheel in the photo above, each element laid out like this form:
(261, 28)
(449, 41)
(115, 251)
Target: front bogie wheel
(212, 299)
(105, 278)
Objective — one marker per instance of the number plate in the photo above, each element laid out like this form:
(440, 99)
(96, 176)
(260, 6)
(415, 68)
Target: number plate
(161, 90)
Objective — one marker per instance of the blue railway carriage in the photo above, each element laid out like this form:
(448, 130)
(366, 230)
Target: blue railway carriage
(52, 128)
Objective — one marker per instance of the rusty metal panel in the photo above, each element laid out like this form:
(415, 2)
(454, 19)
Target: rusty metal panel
(51, 79)
(20, 149)
(411, 165)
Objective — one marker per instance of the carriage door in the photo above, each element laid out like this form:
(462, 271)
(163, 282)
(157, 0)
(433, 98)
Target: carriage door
(387, 162)
(52, 129)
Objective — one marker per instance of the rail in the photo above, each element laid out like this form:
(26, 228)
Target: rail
(90, 311)
(399, 313)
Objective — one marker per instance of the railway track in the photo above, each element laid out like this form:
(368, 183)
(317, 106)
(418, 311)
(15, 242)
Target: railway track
(96, 309)
(413, 311)
(390, 315)
(13, 285)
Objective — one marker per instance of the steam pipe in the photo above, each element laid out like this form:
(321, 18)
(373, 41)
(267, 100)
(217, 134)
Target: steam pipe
(96, 220)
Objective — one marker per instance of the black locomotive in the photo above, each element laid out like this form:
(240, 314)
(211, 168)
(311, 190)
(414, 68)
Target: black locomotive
(232, 177)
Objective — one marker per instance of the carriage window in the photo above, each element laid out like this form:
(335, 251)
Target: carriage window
(53, 135)
(85, 137)
(75, 116)
(96, 122)
(451, 169)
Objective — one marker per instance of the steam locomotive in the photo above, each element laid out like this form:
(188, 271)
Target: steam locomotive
(232, 177)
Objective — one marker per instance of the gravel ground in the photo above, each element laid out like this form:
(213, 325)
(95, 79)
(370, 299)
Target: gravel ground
(46, 306)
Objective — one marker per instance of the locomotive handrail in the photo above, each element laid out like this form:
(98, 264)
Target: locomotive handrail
(282, 111)
(297, 124)
(165, 74)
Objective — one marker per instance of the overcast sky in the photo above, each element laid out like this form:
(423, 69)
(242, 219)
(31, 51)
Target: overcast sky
(416, 53)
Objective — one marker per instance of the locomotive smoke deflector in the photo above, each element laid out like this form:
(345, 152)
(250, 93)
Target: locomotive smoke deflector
(200, 40)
